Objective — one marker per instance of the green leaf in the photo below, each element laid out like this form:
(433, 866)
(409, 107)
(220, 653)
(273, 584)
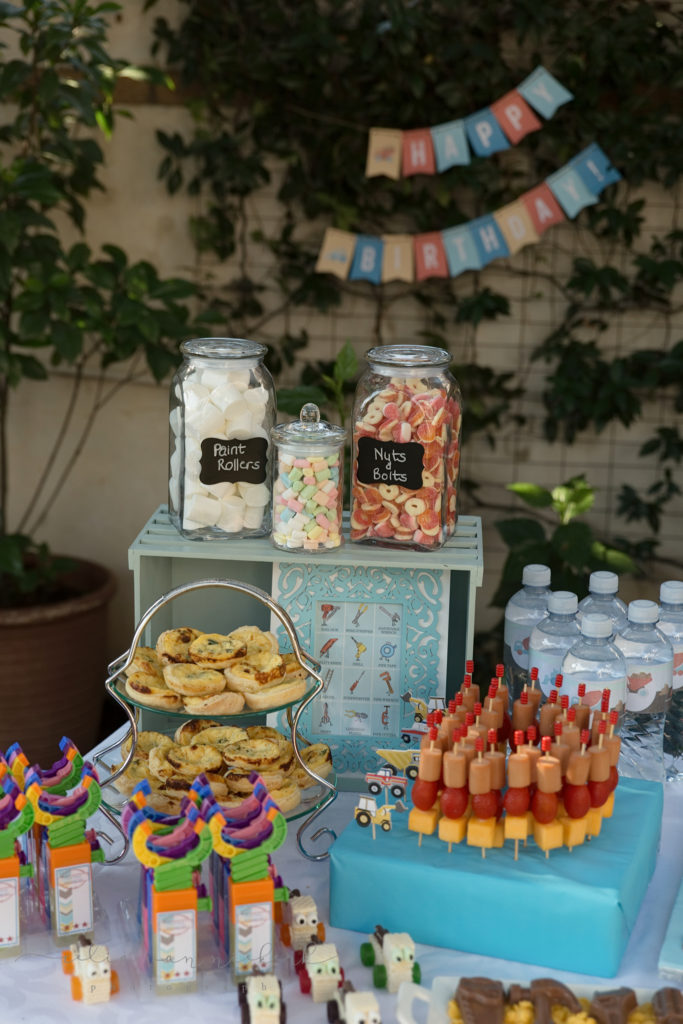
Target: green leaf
(12, 548)
(532, 494)
(573, 543)
(612, 558)
(68, 340)
(520, 531)
(346, 364)
(32, 368)
(290, 400)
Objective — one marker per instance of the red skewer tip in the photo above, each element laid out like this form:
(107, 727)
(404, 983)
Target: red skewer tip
(602, 727)
(524, 697)
(469, 718)
(500, 671)
(582, 690)
(534, 673)
(558, 680)
(433, 733)
(469, 667)
(452, 707)
(477, 709)
(531, 733)
(613, 717)
(545, 744)
(518, 737)
(557, 727)
(552, 699)
(478, 744)
(571, 715)
(585, 737)
(564, 701)
(492, 735)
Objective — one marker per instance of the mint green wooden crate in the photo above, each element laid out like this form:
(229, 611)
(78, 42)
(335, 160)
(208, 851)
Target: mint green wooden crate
(162, 559)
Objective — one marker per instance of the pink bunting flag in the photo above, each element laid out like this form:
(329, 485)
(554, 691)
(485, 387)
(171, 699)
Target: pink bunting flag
(543, 208)
(515, 116)
(430, 256)
(418, 152)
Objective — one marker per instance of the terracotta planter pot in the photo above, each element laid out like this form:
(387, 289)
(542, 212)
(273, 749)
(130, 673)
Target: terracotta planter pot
(53, 666)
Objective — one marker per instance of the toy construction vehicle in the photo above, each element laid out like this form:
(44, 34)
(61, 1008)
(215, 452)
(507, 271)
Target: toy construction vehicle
(422, 708)
(301, 923)
(367, 813)
(92, 977)
(351, 1007)
(401, 760)
(392, 958)
(260, 999)
(385, 778)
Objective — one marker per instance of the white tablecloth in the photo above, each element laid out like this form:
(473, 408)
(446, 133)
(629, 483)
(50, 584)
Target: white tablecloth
(34, 990)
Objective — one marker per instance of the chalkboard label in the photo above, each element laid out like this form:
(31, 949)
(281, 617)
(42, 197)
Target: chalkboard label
(386, 462)
(230, 461)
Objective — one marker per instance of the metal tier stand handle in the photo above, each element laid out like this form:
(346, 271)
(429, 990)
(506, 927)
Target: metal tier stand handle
(304, 659)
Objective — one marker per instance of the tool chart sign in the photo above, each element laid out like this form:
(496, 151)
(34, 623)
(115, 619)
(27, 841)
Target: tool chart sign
(380, 637)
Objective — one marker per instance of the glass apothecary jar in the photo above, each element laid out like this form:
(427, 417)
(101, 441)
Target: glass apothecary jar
(308, 483)
(405, 460)
(222, 409)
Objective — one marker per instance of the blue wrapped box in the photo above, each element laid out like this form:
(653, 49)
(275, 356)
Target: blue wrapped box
(496, 906)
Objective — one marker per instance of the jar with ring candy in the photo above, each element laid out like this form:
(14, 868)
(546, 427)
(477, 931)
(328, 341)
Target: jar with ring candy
(406, 448)
(308, 483)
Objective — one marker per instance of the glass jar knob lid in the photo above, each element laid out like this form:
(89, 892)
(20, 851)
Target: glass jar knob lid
(309, 429)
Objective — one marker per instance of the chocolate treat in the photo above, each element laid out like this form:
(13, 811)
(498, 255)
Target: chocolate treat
(545, 993)
(518, 994)
(481, 1001)
(668, 1006)
(613, 1007)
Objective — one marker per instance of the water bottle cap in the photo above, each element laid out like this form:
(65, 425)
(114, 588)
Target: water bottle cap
(603, 582)
(596, 625)
(536, 576)
(563, 602)
(671, 592)
(643, 611)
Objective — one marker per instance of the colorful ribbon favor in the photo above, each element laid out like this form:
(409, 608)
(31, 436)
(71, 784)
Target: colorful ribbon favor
(475, 244)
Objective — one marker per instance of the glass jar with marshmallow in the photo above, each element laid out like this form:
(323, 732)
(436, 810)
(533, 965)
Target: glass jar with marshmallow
(222, 409)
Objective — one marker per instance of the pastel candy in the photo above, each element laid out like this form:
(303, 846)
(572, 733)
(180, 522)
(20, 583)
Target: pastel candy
(307, 505)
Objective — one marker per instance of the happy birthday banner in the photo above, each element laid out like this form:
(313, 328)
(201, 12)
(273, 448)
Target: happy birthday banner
(473, 245)
(392, 152)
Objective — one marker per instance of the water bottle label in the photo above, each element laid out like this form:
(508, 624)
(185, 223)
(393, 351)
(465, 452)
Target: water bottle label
(594, 688)
(517, 639)
(678, 667)
(649, 687)
(548, 663)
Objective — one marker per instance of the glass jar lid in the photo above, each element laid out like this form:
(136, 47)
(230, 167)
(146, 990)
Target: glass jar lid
(223, 348)
(408, 355)
(309, 431)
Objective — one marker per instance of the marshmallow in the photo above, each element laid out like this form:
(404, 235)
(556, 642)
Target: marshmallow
(202, 509)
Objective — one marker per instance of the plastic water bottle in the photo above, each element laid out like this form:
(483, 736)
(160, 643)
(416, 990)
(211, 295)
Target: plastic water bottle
(552, 637)
(524, 609)
(598, 663)
(602, 597)
(671, 625)
(649, 657)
